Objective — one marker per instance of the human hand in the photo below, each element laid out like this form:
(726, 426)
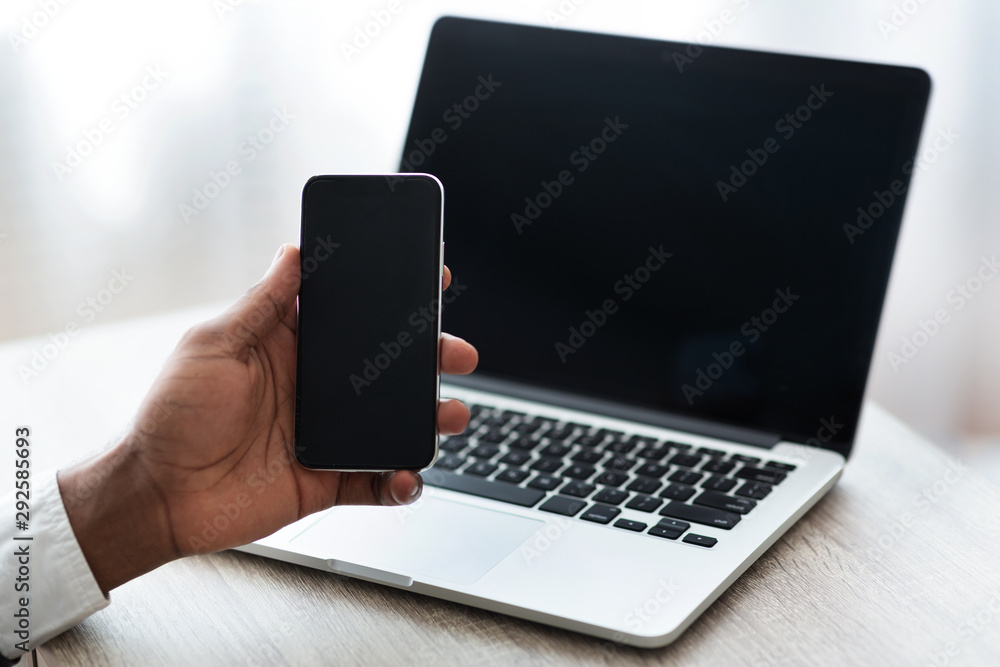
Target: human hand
(208, 463)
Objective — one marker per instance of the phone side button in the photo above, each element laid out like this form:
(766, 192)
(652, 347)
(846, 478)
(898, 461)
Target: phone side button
(507, 493)
(369, 573)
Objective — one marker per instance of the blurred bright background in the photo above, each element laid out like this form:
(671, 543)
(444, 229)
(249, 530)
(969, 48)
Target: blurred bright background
(116, 115)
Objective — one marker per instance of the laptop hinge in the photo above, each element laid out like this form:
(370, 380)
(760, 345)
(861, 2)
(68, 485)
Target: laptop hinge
(618, 410)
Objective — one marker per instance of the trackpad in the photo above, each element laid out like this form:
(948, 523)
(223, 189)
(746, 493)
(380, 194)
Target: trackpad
(435, 538)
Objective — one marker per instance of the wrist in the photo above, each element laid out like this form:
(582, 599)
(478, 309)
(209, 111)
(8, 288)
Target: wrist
(119, 519)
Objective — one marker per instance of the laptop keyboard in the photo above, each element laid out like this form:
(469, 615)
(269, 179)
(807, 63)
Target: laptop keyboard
(576, 470)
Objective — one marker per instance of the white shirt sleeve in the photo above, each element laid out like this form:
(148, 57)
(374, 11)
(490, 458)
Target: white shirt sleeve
(46, 586)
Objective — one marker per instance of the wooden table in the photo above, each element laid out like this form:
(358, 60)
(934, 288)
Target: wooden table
(898, 565)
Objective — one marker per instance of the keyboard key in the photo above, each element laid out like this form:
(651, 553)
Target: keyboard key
(515, 458)
(700, 540)
(668, 533)
(449, 462)
(562, 505)
(651, 470)
(475, 486)
(588, 456)
(653, 453)
(589, 440)
(718, 466)
(643, 485)
(524, 443)
(677, 492)
(610, 497)
(512, 475)
(475, 409)
(787, 467)
(619, 447)
(636, 526)
(454, 444)
(743, 458)
(513, 413)
(677, 445)
(601, 514)
(673, 524)
(492, 437)
(578, 489)
(755, 490)
(686, 477)
(547, 465)
(610, 433)
(495, 421)
(686, 460)
(711, 452)
(644, 503)
(643, 440)
(485, 451)
(558, 433)
(578, 471)
(723, 502)
(555, 450)
(611, 478)
(704, 515)
(527, 427)
(480, 469)
(760, 475)
(575, 425)
(545, 482)
(619, 463)
(718, 483)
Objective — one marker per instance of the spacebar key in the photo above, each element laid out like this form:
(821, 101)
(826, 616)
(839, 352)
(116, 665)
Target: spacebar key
(501, 491)
(703, 515)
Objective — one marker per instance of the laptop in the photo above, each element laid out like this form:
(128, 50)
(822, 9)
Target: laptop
(673, 260)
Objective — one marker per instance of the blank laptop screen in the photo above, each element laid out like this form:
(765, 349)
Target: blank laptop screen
(698, 231)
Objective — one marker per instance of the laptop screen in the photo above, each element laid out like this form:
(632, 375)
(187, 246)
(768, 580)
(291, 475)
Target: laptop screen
(695, 231)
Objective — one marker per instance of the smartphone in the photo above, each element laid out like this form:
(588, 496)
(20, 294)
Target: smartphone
(369, 323)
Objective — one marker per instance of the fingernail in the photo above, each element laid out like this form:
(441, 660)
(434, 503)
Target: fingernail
(281, 251)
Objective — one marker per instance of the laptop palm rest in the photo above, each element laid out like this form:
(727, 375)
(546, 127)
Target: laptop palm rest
(434, 539)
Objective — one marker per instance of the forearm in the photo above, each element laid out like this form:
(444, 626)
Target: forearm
(118, 517)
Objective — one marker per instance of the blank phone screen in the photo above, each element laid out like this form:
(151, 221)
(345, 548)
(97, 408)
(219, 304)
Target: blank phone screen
(368, 328)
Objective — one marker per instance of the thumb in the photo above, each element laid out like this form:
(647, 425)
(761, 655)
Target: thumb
(266, 304)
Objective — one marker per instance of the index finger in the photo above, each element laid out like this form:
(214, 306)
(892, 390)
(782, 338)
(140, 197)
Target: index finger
(447, 279)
